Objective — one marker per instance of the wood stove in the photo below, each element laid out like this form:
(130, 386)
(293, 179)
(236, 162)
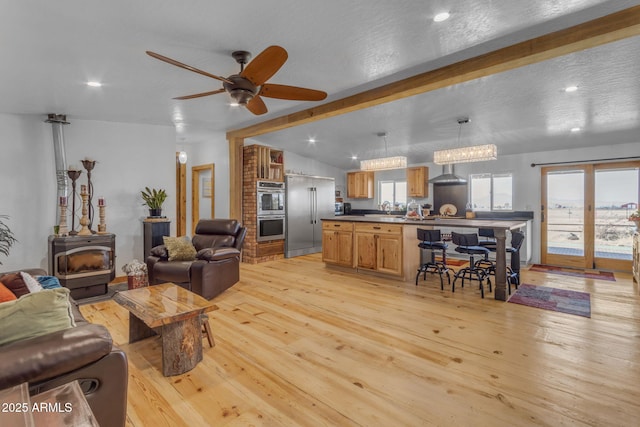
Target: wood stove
(84, 264)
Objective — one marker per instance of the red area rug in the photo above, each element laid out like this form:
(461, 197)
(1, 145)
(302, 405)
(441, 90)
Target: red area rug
(554, 299)
(591, 274)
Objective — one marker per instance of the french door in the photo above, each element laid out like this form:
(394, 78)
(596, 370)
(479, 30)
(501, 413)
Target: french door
(585, 210)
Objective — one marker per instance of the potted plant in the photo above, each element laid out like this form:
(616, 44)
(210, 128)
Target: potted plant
(154, 199)
(7, 238)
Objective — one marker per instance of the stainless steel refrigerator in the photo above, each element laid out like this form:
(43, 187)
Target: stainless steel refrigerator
(308, 200)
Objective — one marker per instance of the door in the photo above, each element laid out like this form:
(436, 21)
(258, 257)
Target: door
(616, 195)
(202, 193)
(298, 206)
(325, 197)
(585, 210)
(564, 217)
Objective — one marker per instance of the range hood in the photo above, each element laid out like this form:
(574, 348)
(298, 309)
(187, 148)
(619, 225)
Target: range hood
(448, 177)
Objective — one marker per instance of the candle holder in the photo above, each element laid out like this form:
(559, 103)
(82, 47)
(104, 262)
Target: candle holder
(89, 165)
(102, 226)
(84, 220)
(73, 175)
(62, 227)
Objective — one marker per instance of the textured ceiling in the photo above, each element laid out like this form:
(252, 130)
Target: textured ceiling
(50, 49)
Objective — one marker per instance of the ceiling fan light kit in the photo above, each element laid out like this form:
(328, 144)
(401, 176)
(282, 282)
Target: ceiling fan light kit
(249, 86)
(384, 163)
(475, 153)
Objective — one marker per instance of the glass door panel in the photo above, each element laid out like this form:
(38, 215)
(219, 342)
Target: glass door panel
(616, 197)
(564, 218)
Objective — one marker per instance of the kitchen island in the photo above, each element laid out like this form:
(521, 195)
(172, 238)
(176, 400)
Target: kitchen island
(389, 245)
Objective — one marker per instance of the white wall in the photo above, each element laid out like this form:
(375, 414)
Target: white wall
(216, 151)
(129, 157)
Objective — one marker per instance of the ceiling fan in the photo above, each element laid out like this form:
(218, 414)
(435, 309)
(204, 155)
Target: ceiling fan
(248, 87)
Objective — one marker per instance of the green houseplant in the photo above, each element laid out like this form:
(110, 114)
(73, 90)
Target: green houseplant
(154, 199)
(7, 239)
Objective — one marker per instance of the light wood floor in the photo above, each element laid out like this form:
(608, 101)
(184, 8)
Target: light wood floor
(300, 344)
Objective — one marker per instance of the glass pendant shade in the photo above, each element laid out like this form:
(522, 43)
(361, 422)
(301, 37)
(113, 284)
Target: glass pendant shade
(476, 153)
(383, 163)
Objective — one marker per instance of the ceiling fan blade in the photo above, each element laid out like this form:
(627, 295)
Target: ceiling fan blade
(257, 106)
(292, 92)
(265, 65)
(200, 95)
(185, 66)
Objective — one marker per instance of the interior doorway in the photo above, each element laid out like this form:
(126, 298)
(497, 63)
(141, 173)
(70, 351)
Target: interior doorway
(585, 211)
(181, 197)
(202, 193)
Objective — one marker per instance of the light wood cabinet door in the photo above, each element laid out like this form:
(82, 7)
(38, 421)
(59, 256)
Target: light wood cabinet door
(418, 181)
(366, 251)
(337, 247)
(360, 185)
(389, 254)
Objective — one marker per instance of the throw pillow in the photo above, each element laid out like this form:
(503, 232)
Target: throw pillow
(31, 282)
(35, 314)
(15, 283)
(180, 248)
(48, 282)
(6, 294)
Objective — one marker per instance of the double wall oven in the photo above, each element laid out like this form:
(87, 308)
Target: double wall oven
(270, 208)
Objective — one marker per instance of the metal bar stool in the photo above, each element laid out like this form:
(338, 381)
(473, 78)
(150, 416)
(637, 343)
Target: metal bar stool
(468, 244)
(513, 272)
(431, 240)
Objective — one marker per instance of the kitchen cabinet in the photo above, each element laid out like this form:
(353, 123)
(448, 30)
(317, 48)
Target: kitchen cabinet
(269, 163)
(360, 184)
(378, 247)
(337, 243)
(418, 181)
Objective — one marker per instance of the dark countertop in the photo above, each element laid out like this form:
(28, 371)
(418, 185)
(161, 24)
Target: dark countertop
(436, 222)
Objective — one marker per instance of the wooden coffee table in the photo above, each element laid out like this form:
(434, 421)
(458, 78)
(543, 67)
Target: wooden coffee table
(175, 312)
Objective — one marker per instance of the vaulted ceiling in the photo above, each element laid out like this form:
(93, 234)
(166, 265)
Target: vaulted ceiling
(51, 49)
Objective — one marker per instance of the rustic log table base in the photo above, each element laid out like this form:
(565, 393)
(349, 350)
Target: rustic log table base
(174, 313)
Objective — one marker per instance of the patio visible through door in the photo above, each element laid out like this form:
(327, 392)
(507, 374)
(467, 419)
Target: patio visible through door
(585, 211)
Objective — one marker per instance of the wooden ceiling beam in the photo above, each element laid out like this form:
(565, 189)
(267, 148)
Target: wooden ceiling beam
(607, 29)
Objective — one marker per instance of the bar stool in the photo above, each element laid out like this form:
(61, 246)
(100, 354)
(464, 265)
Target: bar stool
(490, 243)
(431, 240)
(468, 244)
(513, 271)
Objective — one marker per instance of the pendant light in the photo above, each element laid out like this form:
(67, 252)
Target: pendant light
(475, 153)
(384, 163)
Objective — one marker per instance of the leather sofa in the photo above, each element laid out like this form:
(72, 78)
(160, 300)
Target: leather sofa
(218, 243)
(85, 353)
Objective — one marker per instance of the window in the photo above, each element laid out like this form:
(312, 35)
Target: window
(492, 192)
(394, 192)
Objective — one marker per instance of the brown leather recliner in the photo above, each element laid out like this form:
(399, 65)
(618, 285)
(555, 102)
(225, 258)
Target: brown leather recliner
(217, 264)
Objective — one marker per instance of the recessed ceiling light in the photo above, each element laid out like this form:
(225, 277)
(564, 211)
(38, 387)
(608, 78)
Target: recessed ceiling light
(94, 84)
(571, 88)
(312, 140)
(354, 157)
(576, 129)
(441, 17)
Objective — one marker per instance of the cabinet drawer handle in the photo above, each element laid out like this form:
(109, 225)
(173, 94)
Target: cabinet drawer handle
(377, 228)
(336, 225)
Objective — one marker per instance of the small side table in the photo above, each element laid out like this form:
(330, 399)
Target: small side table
(154, 230)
